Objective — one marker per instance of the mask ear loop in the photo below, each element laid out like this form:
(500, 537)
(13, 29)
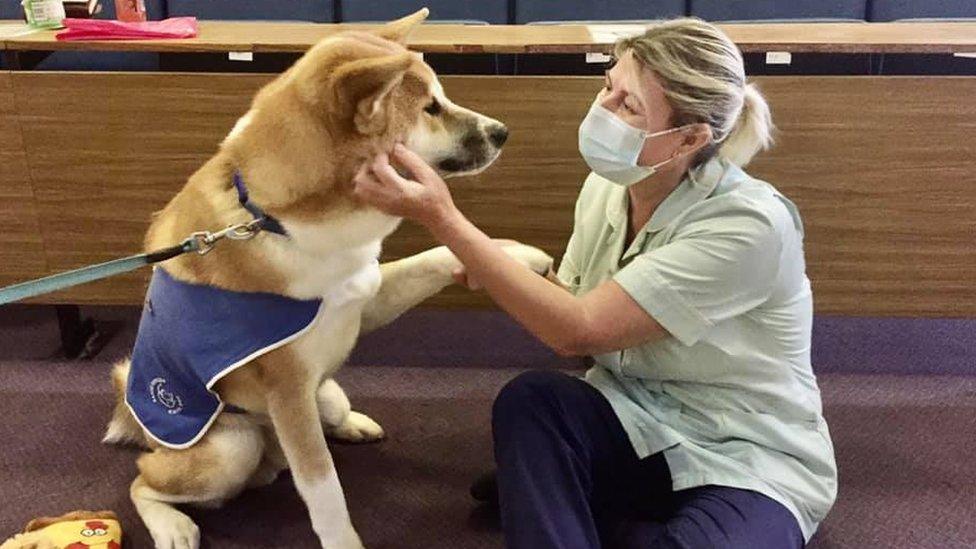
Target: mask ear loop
(667, 131)
(660, 133)
(655, 167)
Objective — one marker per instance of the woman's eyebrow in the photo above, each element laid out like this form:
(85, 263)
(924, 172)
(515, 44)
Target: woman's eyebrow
(609, 81)
(638, 96)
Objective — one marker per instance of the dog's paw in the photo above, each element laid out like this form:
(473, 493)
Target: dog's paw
(532, 257)
(343, 537)
(357, 428)
(175, 531)
(351, 544)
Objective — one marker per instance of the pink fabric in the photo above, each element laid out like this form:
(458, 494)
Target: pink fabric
(103, 29)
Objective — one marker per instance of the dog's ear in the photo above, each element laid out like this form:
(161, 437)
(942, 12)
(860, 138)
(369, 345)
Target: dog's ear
(399, 30)
(363, 87)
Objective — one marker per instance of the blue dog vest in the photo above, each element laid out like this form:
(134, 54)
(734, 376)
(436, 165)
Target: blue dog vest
(192, 335)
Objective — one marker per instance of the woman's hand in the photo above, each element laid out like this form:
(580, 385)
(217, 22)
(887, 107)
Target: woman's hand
(424, 199)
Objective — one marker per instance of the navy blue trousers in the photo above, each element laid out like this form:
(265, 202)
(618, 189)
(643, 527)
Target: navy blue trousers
(568, 477)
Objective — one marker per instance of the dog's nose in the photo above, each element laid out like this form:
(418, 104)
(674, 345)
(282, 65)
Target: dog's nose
(498, 135)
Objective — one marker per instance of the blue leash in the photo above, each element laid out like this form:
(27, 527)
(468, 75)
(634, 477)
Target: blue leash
(200, 242)
(61, 281)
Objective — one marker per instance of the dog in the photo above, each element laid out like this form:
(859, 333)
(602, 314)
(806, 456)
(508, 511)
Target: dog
(290, 302)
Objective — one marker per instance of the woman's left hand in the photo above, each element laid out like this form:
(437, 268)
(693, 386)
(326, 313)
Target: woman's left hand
(425, 198)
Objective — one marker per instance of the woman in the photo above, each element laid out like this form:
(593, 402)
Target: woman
(700, 424)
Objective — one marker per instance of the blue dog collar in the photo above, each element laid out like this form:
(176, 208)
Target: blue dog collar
(267, 222)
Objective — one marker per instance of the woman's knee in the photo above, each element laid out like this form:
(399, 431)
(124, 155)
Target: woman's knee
(529, 396)
(727, 518)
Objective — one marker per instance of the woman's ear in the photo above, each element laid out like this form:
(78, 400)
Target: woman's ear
(696, 137)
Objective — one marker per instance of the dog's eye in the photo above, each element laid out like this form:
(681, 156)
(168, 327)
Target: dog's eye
(433, 109)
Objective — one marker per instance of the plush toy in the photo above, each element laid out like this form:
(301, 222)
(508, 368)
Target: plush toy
(75, 530)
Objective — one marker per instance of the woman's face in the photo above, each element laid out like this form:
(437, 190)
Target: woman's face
(635, 95)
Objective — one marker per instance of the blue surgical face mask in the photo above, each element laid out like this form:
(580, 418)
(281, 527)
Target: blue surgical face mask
(611, 147)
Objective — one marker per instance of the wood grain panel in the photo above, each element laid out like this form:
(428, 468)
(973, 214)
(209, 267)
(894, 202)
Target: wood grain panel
(21, 244)
(884, 173)
(882, 168)
(221, 36)
(106, 151)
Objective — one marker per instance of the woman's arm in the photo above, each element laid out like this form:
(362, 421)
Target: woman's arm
(603, 320)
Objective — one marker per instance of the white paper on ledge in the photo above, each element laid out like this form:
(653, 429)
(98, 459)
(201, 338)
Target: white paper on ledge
(10, 30)
(608, 34)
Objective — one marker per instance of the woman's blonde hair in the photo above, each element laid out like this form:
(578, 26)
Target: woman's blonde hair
(704, 80)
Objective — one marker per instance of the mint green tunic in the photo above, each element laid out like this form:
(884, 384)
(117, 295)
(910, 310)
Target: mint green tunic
(731, 398)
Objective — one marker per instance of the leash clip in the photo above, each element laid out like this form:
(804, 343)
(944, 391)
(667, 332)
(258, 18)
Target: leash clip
(204, 241)
(244, 231)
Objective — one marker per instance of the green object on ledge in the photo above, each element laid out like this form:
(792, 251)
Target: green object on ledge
(44, 14)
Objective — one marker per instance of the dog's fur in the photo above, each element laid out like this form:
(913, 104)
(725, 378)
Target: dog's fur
(307, 132)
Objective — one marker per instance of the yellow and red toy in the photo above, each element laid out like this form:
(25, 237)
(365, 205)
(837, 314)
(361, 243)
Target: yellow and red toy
(75, 530)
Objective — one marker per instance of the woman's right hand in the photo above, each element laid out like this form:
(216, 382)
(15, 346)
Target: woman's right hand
(425, 198)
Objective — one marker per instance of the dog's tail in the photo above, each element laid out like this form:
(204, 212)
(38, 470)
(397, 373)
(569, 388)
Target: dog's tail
(123, 428)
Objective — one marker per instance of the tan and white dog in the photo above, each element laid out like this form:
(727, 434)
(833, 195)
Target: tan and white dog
(298, 148)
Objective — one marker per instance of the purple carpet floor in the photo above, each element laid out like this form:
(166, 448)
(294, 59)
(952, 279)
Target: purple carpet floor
(899, 395)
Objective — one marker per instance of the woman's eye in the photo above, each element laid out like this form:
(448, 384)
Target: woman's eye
(433, 109)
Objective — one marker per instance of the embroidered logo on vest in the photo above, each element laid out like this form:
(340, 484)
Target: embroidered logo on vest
(157, 391)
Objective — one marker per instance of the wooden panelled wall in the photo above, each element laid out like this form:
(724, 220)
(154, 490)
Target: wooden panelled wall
(883, 169)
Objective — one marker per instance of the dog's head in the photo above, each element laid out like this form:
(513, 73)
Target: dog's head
(356, 94)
